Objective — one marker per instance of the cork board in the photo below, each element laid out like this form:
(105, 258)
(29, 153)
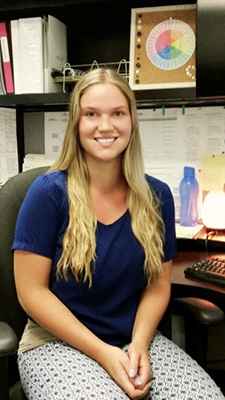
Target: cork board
(162, 47)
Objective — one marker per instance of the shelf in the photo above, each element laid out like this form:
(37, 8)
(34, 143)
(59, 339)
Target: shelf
(31, 4)
(10, 5)
(187, 102)
(61, 101)
(34, 101)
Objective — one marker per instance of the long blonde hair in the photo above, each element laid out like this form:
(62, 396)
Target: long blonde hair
(79, 243)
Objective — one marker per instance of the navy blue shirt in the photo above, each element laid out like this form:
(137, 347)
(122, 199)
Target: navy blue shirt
(108, 308)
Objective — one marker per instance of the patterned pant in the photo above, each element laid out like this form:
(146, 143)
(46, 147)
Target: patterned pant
(56, 371)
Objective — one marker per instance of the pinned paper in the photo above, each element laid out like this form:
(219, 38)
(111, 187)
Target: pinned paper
(212, 172)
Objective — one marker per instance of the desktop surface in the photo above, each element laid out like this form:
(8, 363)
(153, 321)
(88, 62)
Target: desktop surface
(183, 286)
(204, 241)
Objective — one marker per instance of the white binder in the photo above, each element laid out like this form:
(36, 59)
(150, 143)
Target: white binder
(16, 55)
(31, 55)
(55, 51)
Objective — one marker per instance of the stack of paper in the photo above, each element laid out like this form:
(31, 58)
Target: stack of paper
(188, 232)
(37, 160)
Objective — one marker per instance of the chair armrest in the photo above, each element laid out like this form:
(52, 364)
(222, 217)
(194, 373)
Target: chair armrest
(8, 340)
(201, 310)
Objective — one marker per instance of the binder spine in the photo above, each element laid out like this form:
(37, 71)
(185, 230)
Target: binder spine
(2, 80)
(15, 55)
(31, 55)
(7, 67)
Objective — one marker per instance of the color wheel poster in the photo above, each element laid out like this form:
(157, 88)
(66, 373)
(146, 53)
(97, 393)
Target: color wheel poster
(162, 47)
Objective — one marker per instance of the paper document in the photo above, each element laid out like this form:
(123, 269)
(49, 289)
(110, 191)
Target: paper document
(213, 172)
(55, 127)
(8, 145)
(214, 130)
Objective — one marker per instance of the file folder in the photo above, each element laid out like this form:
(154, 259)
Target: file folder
(6, 60)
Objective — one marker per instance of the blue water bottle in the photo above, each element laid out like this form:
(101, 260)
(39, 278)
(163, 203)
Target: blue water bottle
(189, 198)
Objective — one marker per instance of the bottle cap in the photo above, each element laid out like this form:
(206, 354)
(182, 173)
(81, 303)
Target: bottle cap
(189, 172)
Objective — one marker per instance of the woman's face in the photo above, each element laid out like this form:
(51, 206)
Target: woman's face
(105, 123)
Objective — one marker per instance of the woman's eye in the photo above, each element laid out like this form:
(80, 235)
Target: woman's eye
(118, 113)
(91, 114)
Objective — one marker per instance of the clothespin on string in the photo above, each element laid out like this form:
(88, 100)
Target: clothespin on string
(183, 109)
(163, 110)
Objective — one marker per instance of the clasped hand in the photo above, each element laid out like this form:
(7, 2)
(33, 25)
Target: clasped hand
(131, 371)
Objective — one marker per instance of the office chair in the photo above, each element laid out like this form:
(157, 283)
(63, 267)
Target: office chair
(12, 316)
(199, 315)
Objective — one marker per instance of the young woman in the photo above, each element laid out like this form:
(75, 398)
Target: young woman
(93, 247)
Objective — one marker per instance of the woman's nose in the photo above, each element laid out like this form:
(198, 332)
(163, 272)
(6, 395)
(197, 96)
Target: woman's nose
(105, 124)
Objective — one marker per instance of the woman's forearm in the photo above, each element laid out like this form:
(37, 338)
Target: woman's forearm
(152, 306)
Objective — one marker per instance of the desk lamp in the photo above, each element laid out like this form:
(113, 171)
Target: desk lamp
(213, 210)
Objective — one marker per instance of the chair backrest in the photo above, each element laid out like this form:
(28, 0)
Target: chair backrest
(11, 197)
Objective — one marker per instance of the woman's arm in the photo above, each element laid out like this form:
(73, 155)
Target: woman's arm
(32, 272)
(152, 306)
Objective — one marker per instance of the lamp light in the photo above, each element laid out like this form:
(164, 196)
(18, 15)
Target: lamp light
(213, 210)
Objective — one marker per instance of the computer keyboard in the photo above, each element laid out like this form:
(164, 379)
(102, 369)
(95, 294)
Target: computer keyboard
(211, 270)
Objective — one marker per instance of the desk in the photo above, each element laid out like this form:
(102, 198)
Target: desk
(185, 287)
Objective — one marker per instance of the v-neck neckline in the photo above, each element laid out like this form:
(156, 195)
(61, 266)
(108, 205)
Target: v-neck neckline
(114, 222)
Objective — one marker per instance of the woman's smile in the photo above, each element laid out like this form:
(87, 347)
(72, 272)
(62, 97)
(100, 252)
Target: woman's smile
(105, 142)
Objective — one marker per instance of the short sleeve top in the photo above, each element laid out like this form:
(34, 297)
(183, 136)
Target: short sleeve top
(108, 308)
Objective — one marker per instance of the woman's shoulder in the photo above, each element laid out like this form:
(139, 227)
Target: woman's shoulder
(161, 189)
(50, 179)
(51, 184)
